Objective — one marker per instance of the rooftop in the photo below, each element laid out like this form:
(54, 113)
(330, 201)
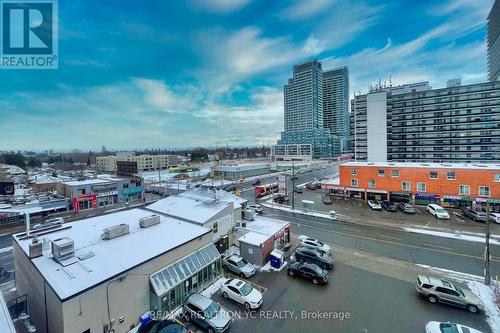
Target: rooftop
(208, 192)
(87, 182)
(261, 229)
(242, 167)
(108, 260)
(476, 166)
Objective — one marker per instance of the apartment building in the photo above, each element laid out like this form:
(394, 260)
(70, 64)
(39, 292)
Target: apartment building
(415, 123)
(145, 162)
(493, 42)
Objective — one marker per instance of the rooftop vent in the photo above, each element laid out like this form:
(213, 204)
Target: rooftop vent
(63, 250)
(35, 249)
(148, 221)
(115, 231)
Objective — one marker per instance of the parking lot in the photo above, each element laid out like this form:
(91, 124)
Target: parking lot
(359, 211)
(354, 300)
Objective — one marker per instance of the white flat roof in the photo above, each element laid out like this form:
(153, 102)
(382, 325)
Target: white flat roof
(205, 192)
(242, 167)
(253, 238)
(477, 166)
(87, 182)
(198, 210)
(266, 226)
(112, 257)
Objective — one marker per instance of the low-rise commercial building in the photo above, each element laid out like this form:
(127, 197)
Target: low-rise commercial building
(240, 171)
(82, 277)
(447, 184)
(292, 152)
(145, 162)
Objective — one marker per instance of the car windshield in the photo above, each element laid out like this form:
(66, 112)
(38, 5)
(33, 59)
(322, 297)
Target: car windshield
(440, 210)
(212, 310)
(246, 289)
(242, 262)
(320, 243)
(460, 291)
(448, 328)
(316, 269)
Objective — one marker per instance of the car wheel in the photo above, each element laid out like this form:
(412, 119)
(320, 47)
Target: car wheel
(224, 294)
(291, 273)
(472, 308)
(474, 219)
(433, 299)
(247, 306)
(210, 330)
(315, 281)
(187, 317)
(242, 275)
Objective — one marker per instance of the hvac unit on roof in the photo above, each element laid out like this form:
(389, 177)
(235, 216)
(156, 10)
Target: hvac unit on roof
(115, 231)
(148, 221)
(63, 247)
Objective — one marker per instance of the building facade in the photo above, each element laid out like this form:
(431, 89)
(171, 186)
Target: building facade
(414, 123)
(303, 112)
(292, 152)
(145, 162)
(240, 171)
(493, 42)
(336, 104)
(448, 184)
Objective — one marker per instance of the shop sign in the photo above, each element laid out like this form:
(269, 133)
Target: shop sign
(456, 197)
(428, 196)
(401, 193)
(107, 194)
(128, 191)
(496, 201)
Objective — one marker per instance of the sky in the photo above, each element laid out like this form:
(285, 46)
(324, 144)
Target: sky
(197, 73)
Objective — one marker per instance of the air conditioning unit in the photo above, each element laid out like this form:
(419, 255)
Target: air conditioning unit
(35, 250)
(249, 214)
(63, 247)
(115, 231)
(148, 221)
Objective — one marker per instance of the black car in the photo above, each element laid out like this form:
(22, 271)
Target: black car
(256, 182)
(281, 199)
(313, 256)
(162, 326)
(389, 206)
(327, 200)
(309, 271)
(407, 208)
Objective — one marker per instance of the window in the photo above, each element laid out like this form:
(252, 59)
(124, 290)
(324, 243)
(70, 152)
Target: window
(451, 175)
(433, 175)
(484, 191)
(215, 227)
(125, 185)
(354, 182)
(81, 191)
(497, 178)
(250, 251)
(421, 187)
(464, 190)
(371, 183)
(406, 186)
(381, 173)
(354, 172)
(395, 173)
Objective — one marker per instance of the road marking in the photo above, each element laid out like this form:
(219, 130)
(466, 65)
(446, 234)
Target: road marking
(262, 289)
(351, 229)
(438, 246)
(6, 249)
(391, 237)
(395, 243)
(427, 224)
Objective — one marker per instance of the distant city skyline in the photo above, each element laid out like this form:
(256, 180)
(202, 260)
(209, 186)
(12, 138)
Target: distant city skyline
(196, 74)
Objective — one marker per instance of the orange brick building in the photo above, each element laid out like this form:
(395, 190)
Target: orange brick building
(449, 185)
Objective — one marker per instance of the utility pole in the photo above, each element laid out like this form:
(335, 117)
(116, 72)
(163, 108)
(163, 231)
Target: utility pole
(487, 247)
(293, 186)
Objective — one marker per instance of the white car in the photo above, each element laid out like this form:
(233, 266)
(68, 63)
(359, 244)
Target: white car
(242, 292)
(374, 204)
(437, 327)
(495, 217)
(437, 211)
(314, 243)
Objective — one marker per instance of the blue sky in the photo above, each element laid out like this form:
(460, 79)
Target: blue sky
(162, 74)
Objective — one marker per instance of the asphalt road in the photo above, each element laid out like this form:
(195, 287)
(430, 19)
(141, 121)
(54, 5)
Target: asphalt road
(375, 303)
(447, 253)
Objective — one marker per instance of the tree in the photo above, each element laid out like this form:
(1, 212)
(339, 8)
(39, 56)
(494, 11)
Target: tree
(15, 159)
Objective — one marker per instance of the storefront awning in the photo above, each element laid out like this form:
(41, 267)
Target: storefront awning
(377, 191)
(170, 276)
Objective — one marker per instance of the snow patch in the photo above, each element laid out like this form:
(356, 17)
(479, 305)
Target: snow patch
(214, 287)
(487, 296)
(268, 268)
(470, 237)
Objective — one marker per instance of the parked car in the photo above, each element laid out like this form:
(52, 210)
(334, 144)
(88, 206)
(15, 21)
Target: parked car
(322, 259)
(281, 199)
(206, 313)
(438, 290)
(256, 182)
(239, 266)
(312, 187)
(495, 217)
(242, 292)
(437, 327)
(162, 326)
(257, 208)
(389, 206)
(294, 177)
(327, 200)
(298, 189)
(407, 208)
(474, 215)
(314, 244)
(374, 204)
(437, 211)
(309, 271)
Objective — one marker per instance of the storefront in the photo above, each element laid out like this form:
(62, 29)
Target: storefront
(376, 195)
(107, 198)
(170, 286)
(456, 201)
(354, 192)
(133, 193)
(400, 197)
(481, 203)
(282, 237)
(336, 191)
(426, 199)
(84, 202)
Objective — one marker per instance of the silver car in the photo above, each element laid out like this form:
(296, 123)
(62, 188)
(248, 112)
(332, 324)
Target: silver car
(239, 266)
(206, 313)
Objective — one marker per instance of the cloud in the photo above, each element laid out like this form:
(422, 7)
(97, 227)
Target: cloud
(301, 10)
(220, 6)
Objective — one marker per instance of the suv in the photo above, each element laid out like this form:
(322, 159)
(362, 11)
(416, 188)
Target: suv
(389, 206)
(206, 313)
(438, 290)
(239, 266)
(474, 215)
(320, 258)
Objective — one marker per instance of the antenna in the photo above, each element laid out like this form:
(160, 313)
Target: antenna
(390, 80)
